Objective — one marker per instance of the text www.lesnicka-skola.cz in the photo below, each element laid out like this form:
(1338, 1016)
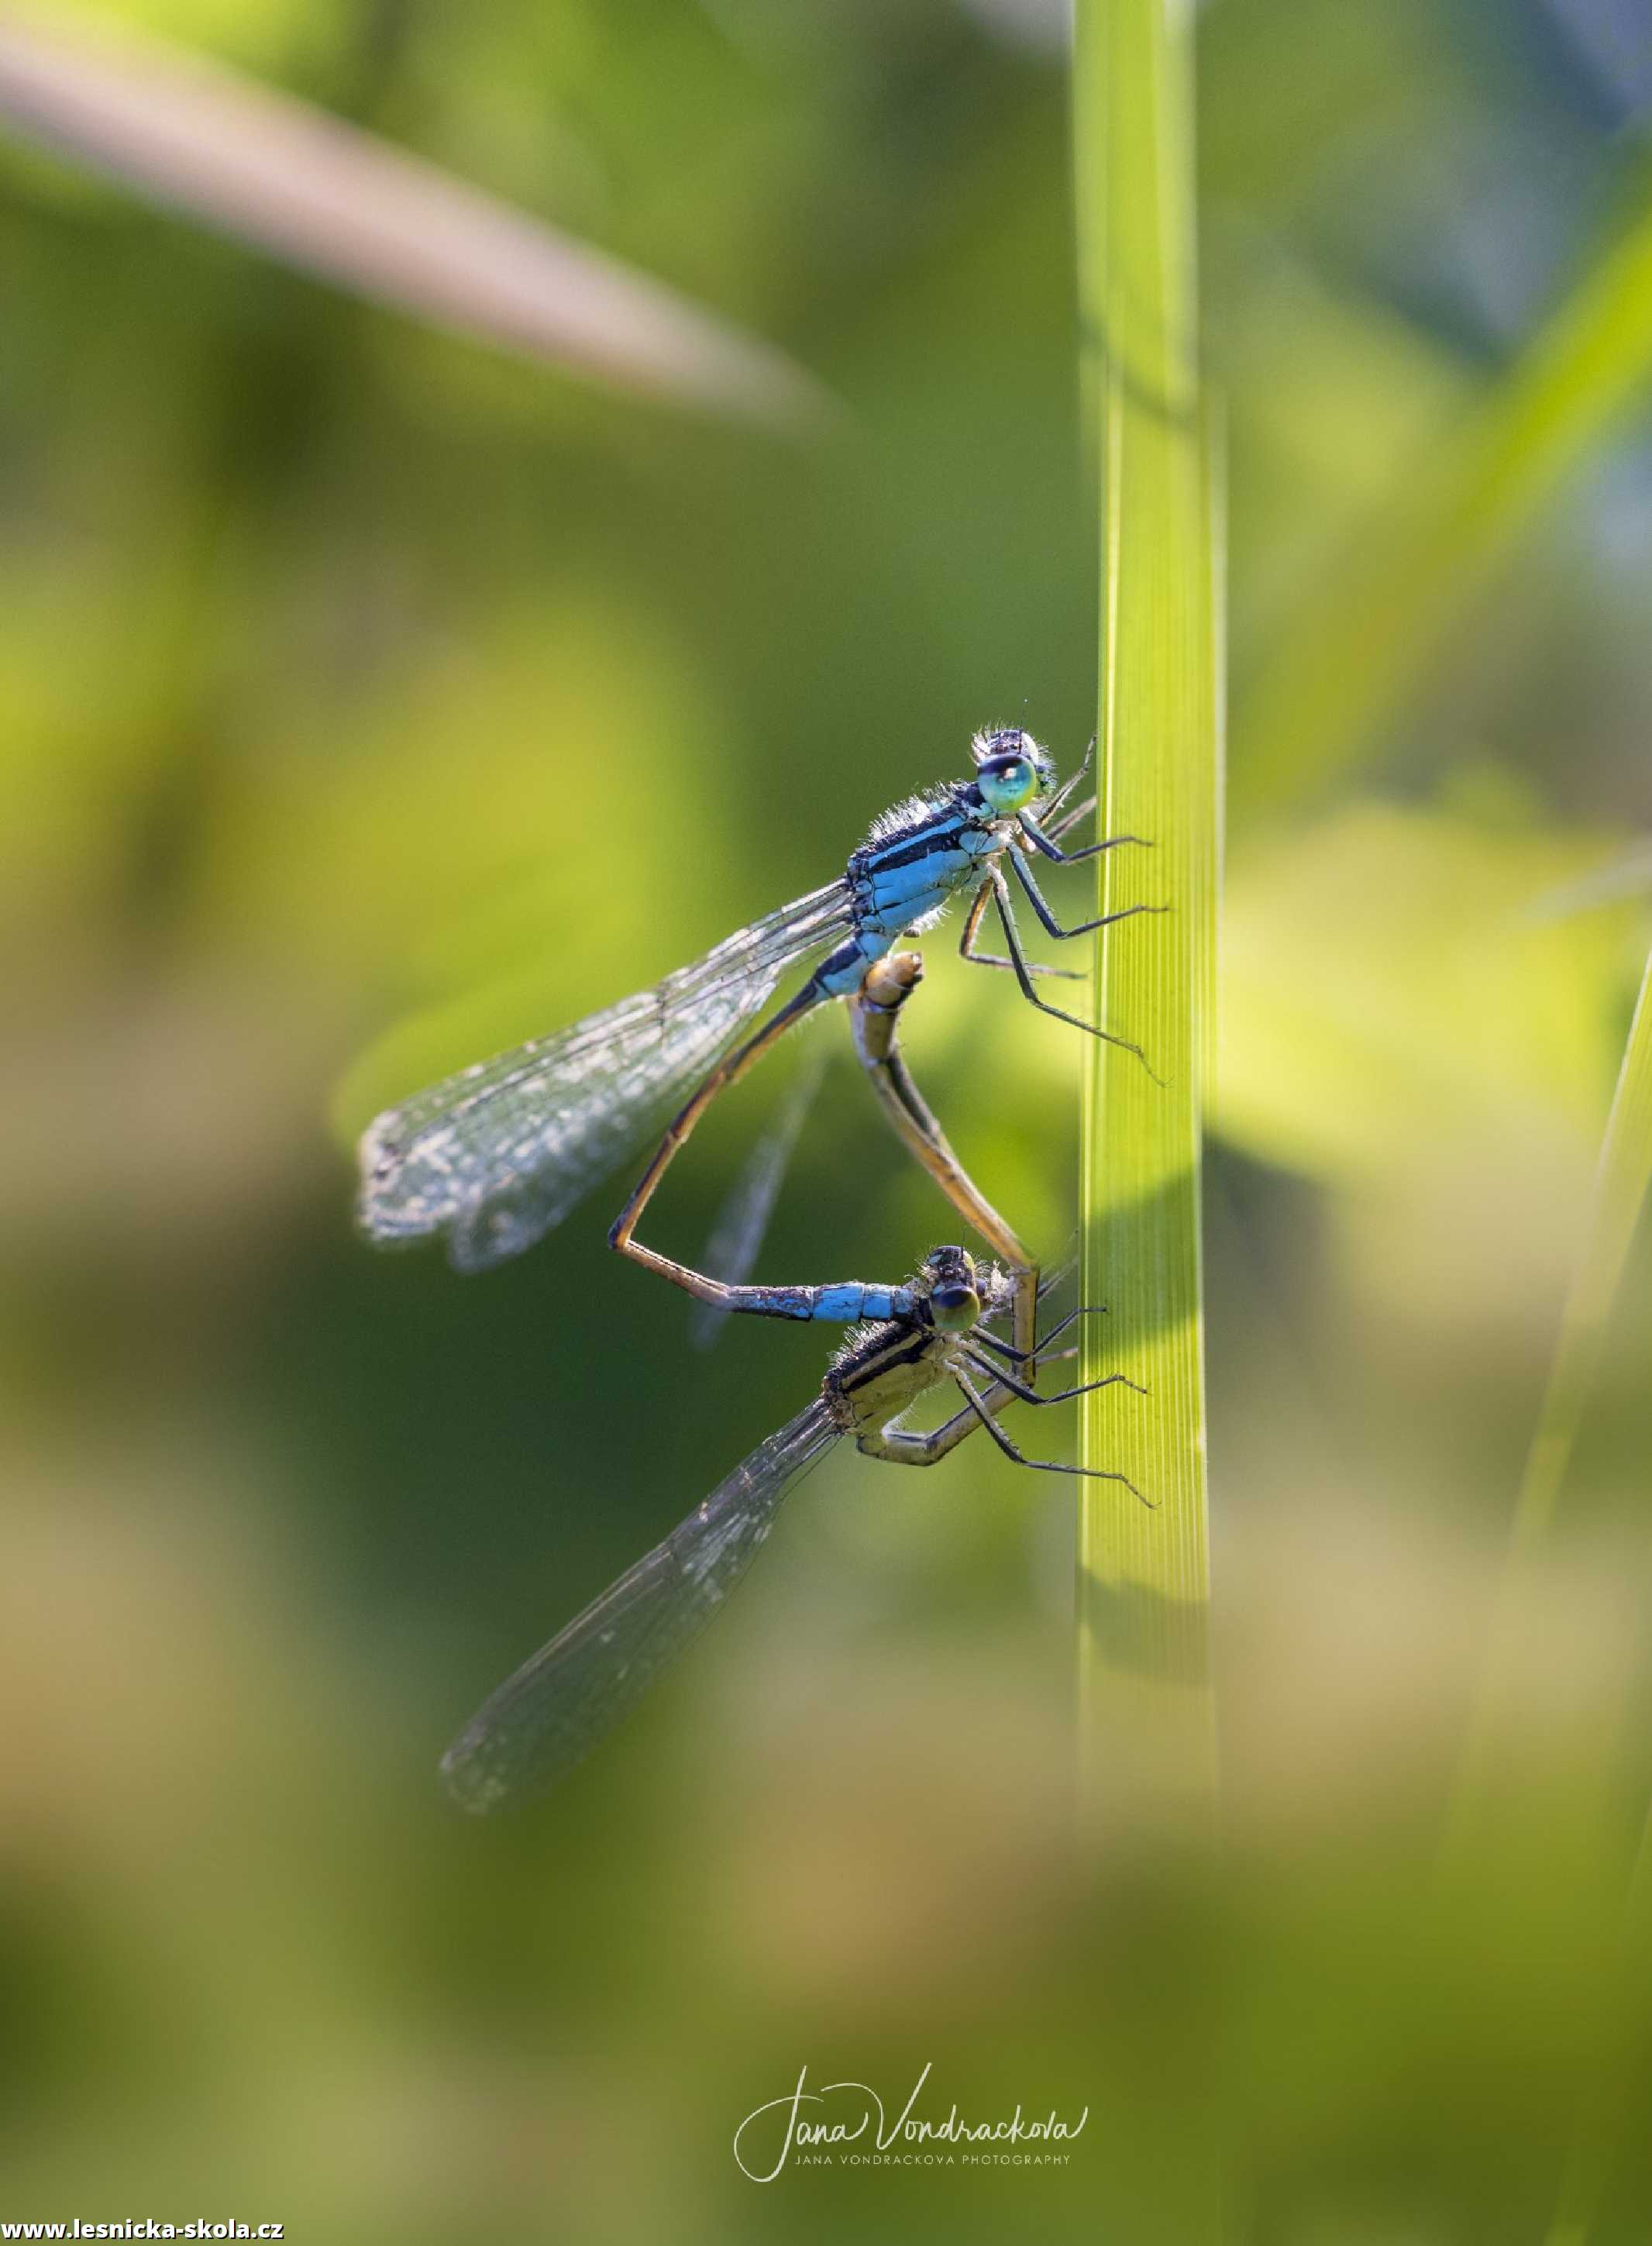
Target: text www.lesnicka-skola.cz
(142, 2226)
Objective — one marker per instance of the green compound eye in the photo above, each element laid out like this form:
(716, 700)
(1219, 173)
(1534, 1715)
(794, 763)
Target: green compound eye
(1007, 783)
(955, 1308)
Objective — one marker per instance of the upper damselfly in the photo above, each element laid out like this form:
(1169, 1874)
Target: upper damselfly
(928, 1331)
(495, 1156)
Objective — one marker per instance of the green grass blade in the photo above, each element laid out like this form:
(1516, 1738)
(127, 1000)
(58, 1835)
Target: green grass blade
(1146, 1720)
(1363, 636)
(1621, 1187)
(1623, 1180)
(1144, 1573)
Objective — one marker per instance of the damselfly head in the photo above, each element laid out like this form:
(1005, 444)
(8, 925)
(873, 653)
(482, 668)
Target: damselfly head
(954, 1297)
(1010, 769)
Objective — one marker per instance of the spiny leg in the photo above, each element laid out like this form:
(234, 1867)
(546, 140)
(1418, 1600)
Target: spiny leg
(1018, 961)
(1002, 1349)
(1068, 819)
(729, 1071)
(1073, 778)
(978, 905)
(1041, 903)
(1062, 821)
(962, 1422)
(1049, 848)
(1084, 1311)
(950, 1432)
(1038, 1466)
(1019, 1389)
(1024, 976)
(904, 1446)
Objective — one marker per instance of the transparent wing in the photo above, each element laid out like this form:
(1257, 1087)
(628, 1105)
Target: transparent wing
(731, 1250)
(498, 1154)
(573, 1693)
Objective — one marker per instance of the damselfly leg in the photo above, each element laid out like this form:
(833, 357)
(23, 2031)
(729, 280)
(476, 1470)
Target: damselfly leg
(737, 1235)
(874, 1021)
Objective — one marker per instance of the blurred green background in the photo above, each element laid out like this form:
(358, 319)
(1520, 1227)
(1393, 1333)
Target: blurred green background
(352, 677)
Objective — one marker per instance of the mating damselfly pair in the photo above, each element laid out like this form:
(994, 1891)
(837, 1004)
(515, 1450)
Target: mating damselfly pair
(492, 1158)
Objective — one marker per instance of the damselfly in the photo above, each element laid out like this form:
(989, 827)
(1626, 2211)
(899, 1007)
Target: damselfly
(495, 1156)
(927, 1332)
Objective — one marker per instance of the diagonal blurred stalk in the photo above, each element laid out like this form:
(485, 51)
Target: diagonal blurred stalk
(1362, 634)
(1623, 1178)
(1622, 1183)
(334, 201)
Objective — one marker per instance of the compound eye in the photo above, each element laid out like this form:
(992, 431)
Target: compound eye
(1007, 782)
(955, 1307)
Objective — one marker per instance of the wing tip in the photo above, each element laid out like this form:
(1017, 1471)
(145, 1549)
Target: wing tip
(379, 1158)
(468, 1781)
(390, 1211)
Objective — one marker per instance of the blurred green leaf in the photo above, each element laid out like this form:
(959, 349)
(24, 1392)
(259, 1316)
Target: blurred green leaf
(1621, 1187)
(1399, 1026)
(1387, 990)
(1623, 1178)
(1364, 632)
(1606, 2115)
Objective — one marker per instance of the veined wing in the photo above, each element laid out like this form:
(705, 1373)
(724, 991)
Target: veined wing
(572, 1693)
(498, 1154)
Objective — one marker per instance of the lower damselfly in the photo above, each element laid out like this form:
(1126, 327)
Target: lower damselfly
(492, 1158)
(912, 1338)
